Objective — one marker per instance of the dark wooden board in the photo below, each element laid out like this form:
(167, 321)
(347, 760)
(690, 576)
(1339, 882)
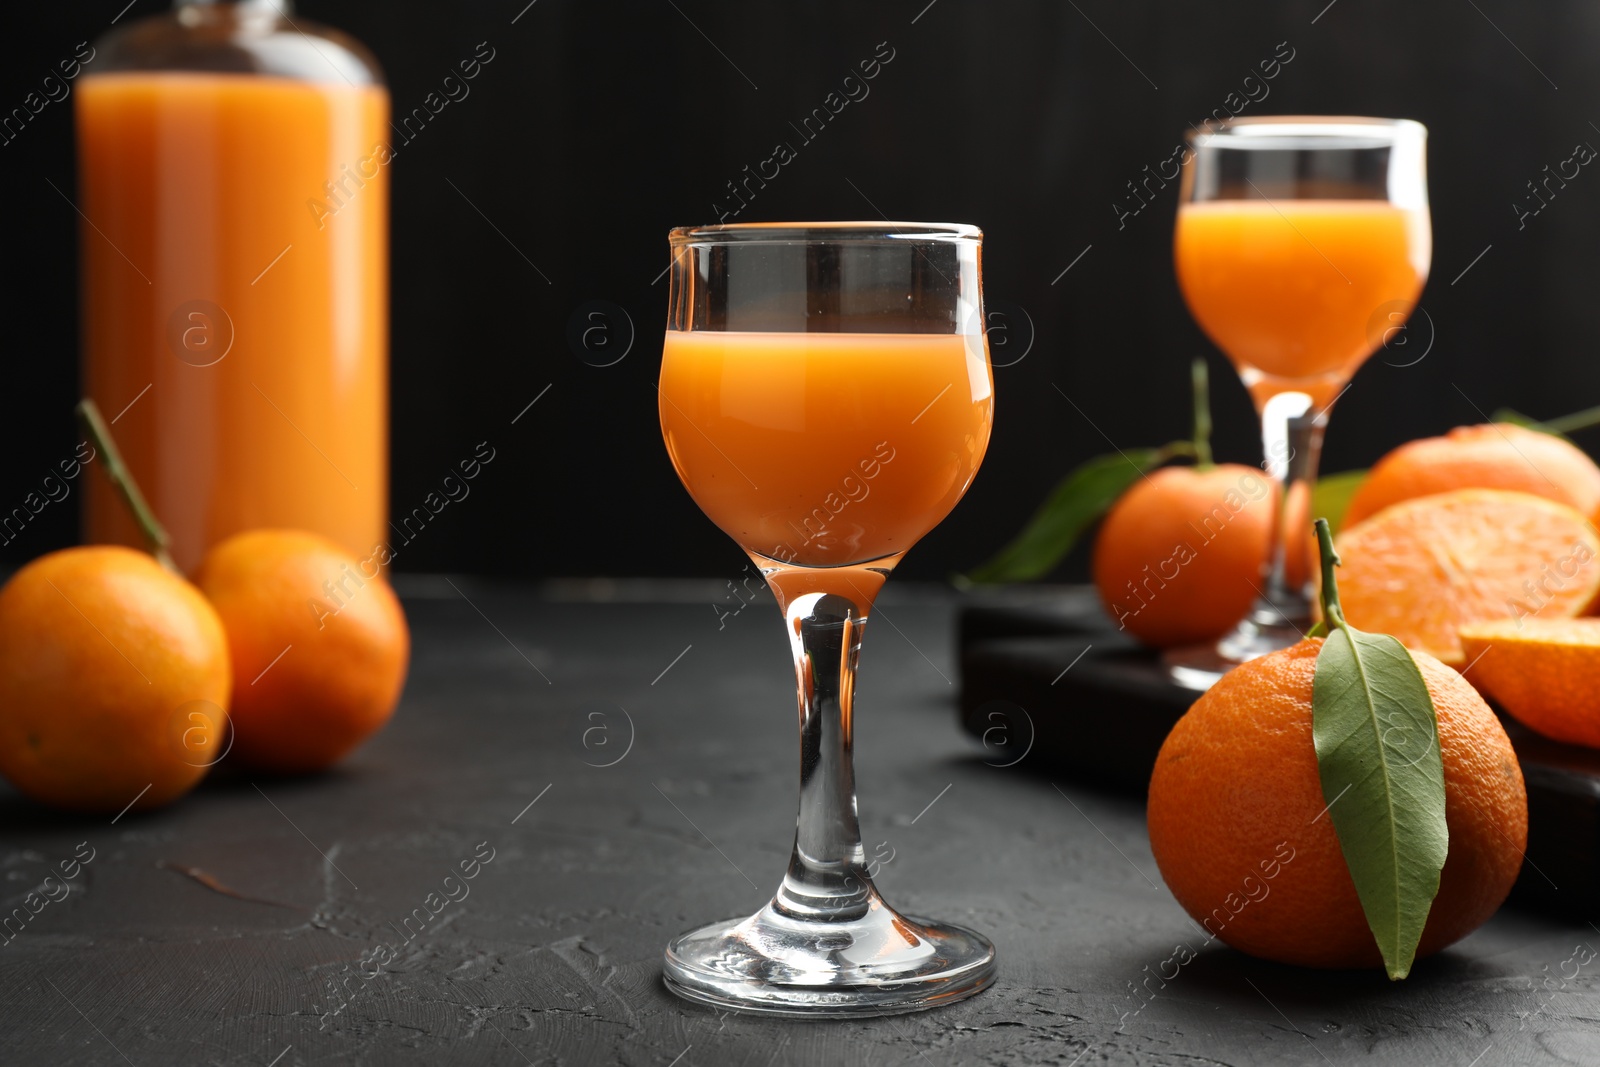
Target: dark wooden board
(1086, 702)
(554, 957)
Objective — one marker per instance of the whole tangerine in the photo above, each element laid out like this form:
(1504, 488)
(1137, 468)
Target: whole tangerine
(1178, 559)
(1492, 455)
(114, 681)
(319, 646)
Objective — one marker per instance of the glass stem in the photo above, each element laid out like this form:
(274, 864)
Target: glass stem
(825, 611)
(1291, 439)
(827, 878)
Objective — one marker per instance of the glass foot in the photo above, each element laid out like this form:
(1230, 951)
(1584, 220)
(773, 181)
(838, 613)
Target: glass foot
(881, 963)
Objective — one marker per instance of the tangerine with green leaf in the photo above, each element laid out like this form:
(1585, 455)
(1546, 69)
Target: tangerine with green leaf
(1240, 826)
(114, 671)
(1178, 559)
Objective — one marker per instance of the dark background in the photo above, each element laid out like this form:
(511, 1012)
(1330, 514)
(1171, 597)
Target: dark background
(600, 125)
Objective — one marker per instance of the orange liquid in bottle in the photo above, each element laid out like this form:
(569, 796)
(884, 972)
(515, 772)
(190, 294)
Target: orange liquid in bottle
(236, 308)
(1297, 290)
(823, 449)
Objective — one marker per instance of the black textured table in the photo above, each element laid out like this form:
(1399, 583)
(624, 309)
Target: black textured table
(330, 920)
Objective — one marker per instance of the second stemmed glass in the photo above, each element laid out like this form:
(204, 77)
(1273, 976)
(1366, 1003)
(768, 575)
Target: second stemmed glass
(1302, 244)
(826, 399)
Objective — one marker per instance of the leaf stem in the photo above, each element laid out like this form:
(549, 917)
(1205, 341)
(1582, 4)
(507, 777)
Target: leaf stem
(99, 434)
(1332, 613)
(1202, 414)
(1578, 420)
(1173, 449)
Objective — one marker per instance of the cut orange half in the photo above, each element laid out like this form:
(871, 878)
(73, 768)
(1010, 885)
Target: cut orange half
(1544, 672)
(1424, 568)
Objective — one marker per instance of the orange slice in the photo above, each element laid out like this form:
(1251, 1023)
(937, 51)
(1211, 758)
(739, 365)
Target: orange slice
(1424, 568)
(1544, 672)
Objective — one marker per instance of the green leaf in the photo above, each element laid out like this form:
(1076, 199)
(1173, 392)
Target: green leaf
(1330, 497)
(1558, 427)
(1076, 502)
(1377, 741)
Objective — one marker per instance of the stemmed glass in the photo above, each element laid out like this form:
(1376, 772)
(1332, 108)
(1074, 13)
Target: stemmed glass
(826, 398)
(1302, 245)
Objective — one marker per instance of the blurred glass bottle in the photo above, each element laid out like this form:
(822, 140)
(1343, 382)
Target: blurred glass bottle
(233, 177)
